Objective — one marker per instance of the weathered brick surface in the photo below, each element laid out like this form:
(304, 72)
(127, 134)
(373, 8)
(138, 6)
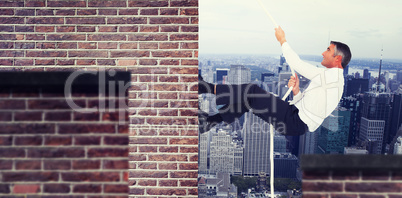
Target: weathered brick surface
(155, 40)
(351, 183)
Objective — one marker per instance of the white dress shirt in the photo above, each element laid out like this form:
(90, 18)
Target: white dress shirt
(322, 95)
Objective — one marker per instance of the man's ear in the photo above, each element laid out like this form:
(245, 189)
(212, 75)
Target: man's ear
(338, 59)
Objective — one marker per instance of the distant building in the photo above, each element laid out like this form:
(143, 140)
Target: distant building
(308, 143)
(355, 150)
(256, 145)
(280, 143)
(239, 74)
(334, 134)
(366, 74)
(222, 152)
(353, 104)
(375, 119)
(396, 113)
(221, 75)
(398, 146)
(285, 165)
(356, 86)
(216, 186)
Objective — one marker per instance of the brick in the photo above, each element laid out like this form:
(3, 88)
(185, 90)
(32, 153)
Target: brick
(121, 54)
(183, 141)
(183, 37)
(166, 192)
(189, 11)
(45, 20)
(85, 164)
(147, 166)
(107, 45)
(306, 195)
(149, 12)
(95, 54)
(65, 12)
(108, 37)
(373, 187)
(168, 183)
(90, 176)
(116, 188)
(133, 11)
(115, 140)
(24, 28)
(58, 140)
(148, 37)
(86, 12)
(46, 54)
(322, 187)
(189, 149)
(107, 12)
(4, 188)
(6, 45)
(184, 70)
(28, 140)
(169, 20)
(66, 3)
(86, 29)
(86, 128)
(91, 45)
(188, 113)
(108, 29)
(26, 188)
(128, 28)
(173, 54)
(35, 37)
(184, 3)
(148, 174)
(27, 128)
(58, 116)
(145, 3)
(11, 20)
(136, 157)
(30, 176)
(372, 196)
(115, 164)
(67, 45)
(28, 116)
(169, 11)
(188, 166)
(87, 140)
(167, 157)
(12, 152)
(107, 3)
(44, 12)
(56, 152)
(127, 20)
(12, 104)
(375, 175)
(6, 141)
(6, 11)
(194, 20)
(136, 191)
(344, 196)
(86, 62)
(167, 166)
(87, 188)
(56, 188)
(107, 152)
(28, 165)
(86, 20)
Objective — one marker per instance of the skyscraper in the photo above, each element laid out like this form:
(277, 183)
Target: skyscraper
(376, 110)
(353, 104)
(239, 74)
(222, 152)
(256, 146)
(396, 115)
(333, 137)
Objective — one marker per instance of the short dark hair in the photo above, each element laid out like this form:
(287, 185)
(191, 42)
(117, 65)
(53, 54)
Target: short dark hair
(342, 50)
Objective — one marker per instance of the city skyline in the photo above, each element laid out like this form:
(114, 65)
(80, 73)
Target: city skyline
(237, 27)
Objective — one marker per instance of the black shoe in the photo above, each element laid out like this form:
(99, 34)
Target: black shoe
(203, 124)
(204, 87)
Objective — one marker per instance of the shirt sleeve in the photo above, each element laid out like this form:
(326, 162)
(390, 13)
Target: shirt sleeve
(296, 98)
(305, 69)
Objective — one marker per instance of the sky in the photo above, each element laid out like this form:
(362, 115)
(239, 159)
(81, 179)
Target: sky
(242, 26)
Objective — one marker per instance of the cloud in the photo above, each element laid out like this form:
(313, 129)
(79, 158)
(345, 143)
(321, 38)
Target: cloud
(365, 34)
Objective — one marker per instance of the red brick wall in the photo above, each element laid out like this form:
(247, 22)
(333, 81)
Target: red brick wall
(155, 40)
(49, 149)
(352, 176)
(164, 139)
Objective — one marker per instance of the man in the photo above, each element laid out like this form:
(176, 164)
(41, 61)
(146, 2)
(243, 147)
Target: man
(304, 113)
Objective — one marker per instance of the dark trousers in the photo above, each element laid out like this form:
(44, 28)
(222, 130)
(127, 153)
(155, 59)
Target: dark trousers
(239, 99)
